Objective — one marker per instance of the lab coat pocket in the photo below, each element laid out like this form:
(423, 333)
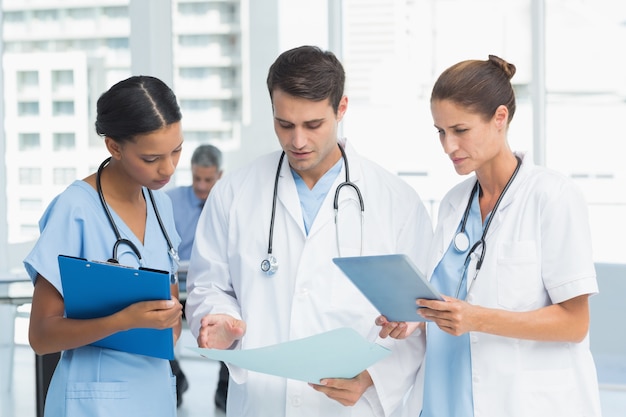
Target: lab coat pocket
(518, 275)
(102, 398)
(550, 393)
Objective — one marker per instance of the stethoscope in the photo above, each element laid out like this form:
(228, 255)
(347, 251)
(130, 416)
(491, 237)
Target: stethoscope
(269, 265)
(461, 239)
(122, 241)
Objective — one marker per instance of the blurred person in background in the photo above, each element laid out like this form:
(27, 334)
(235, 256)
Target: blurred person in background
(188, 201)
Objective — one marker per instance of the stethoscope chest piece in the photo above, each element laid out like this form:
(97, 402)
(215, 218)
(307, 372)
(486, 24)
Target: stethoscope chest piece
(269, 265)
(461, 241)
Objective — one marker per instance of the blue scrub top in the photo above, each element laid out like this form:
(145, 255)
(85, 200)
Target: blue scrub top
(311, 199)
(187, 210)
(92, 381)
(448, 366)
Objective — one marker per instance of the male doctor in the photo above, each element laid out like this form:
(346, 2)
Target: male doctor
(280, 210)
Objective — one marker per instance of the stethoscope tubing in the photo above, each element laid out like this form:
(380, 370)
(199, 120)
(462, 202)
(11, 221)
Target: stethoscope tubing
(481, 242)
(119, 239)
(270, 265)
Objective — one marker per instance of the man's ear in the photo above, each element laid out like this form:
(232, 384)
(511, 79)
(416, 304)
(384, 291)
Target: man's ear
(341, 109)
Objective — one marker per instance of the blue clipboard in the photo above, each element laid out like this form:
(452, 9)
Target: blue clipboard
(96, 289)
(391, 283)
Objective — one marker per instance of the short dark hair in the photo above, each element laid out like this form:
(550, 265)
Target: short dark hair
(479, 86)
(207, 156)
(135, 106)
(310, 73)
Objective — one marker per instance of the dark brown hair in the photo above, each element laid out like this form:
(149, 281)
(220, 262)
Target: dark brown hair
(310, 73)
(479, 86)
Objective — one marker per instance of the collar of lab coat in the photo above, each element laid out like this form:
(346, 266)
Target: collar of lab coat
(458, 200)
(288, 194)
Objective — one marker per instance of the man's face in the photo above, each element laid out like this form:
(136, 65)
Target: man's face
(307, 131)
(204, 178)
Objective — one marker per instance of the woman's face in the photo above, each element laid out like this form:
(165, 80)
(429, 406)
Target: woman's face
(467, 138)
(151, 159)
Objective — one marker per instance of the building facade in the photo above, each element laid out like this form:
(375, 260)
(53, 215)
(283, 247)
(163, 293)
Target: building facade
(59, 56)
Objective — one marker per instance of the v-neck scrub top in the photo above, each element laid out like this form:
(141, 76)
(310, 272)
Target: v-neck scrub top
(93, 381)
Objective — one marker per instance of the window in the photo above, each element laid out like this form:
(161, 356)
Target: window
(115, 12)
(82, 13)
(194, 72)
(230, 109)
(26, 79)
(63, 141)
(14, 17)
(28, 108)
(44, 46)
(31, 204)
(195, 105)
(193, 9)
(117, 43)
(28, 141)
(30, 176)
(63, 176)
(29, 229)
(197, 136)
(232, 13)
(62, 78)
(194, 41)
(87, 45)
(63, 108)
(46, 15)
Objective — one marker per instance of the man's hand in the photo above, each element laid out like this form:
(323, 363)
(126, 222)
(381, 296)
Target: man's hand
(345, 391)
(220, 331)
(397, 330)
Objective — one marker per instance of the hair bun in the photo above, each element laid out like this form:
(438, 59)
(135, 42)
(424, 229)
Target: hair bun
(509, 69)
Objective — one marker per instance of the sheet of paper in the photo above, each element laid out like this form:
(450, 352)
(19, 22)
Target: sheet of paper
(339, 353)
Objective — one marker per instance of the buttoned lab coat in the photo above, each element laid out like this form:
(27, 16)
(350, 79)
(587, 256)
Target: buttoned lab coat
(308, 294)
(538, 253)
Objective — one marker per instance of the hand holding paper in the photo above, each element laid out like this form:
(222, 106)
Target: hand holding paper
(339, 353)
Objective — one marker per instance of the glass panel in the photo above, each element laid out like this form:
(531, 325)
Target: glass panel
(63, 108)
(63, 176)
(28, 141)
(28, 108)
(31, 204)
(30, 176)
(63, 141)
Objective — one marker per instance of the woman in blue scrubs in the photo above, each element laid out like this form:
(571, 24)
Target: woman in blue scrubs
(139, 119)
(512, 254)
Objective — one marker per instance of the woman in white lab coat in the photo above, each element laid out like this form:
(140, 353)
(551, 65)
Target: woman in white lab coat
(512, 255)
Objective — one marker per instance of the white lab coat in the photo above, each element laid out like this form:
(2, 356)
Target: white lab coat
(538, 253)
(308, 294)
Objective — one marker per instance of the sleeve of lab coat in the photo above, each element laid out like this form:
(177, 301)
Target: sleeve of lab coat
(395, 375)
(209, 285)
